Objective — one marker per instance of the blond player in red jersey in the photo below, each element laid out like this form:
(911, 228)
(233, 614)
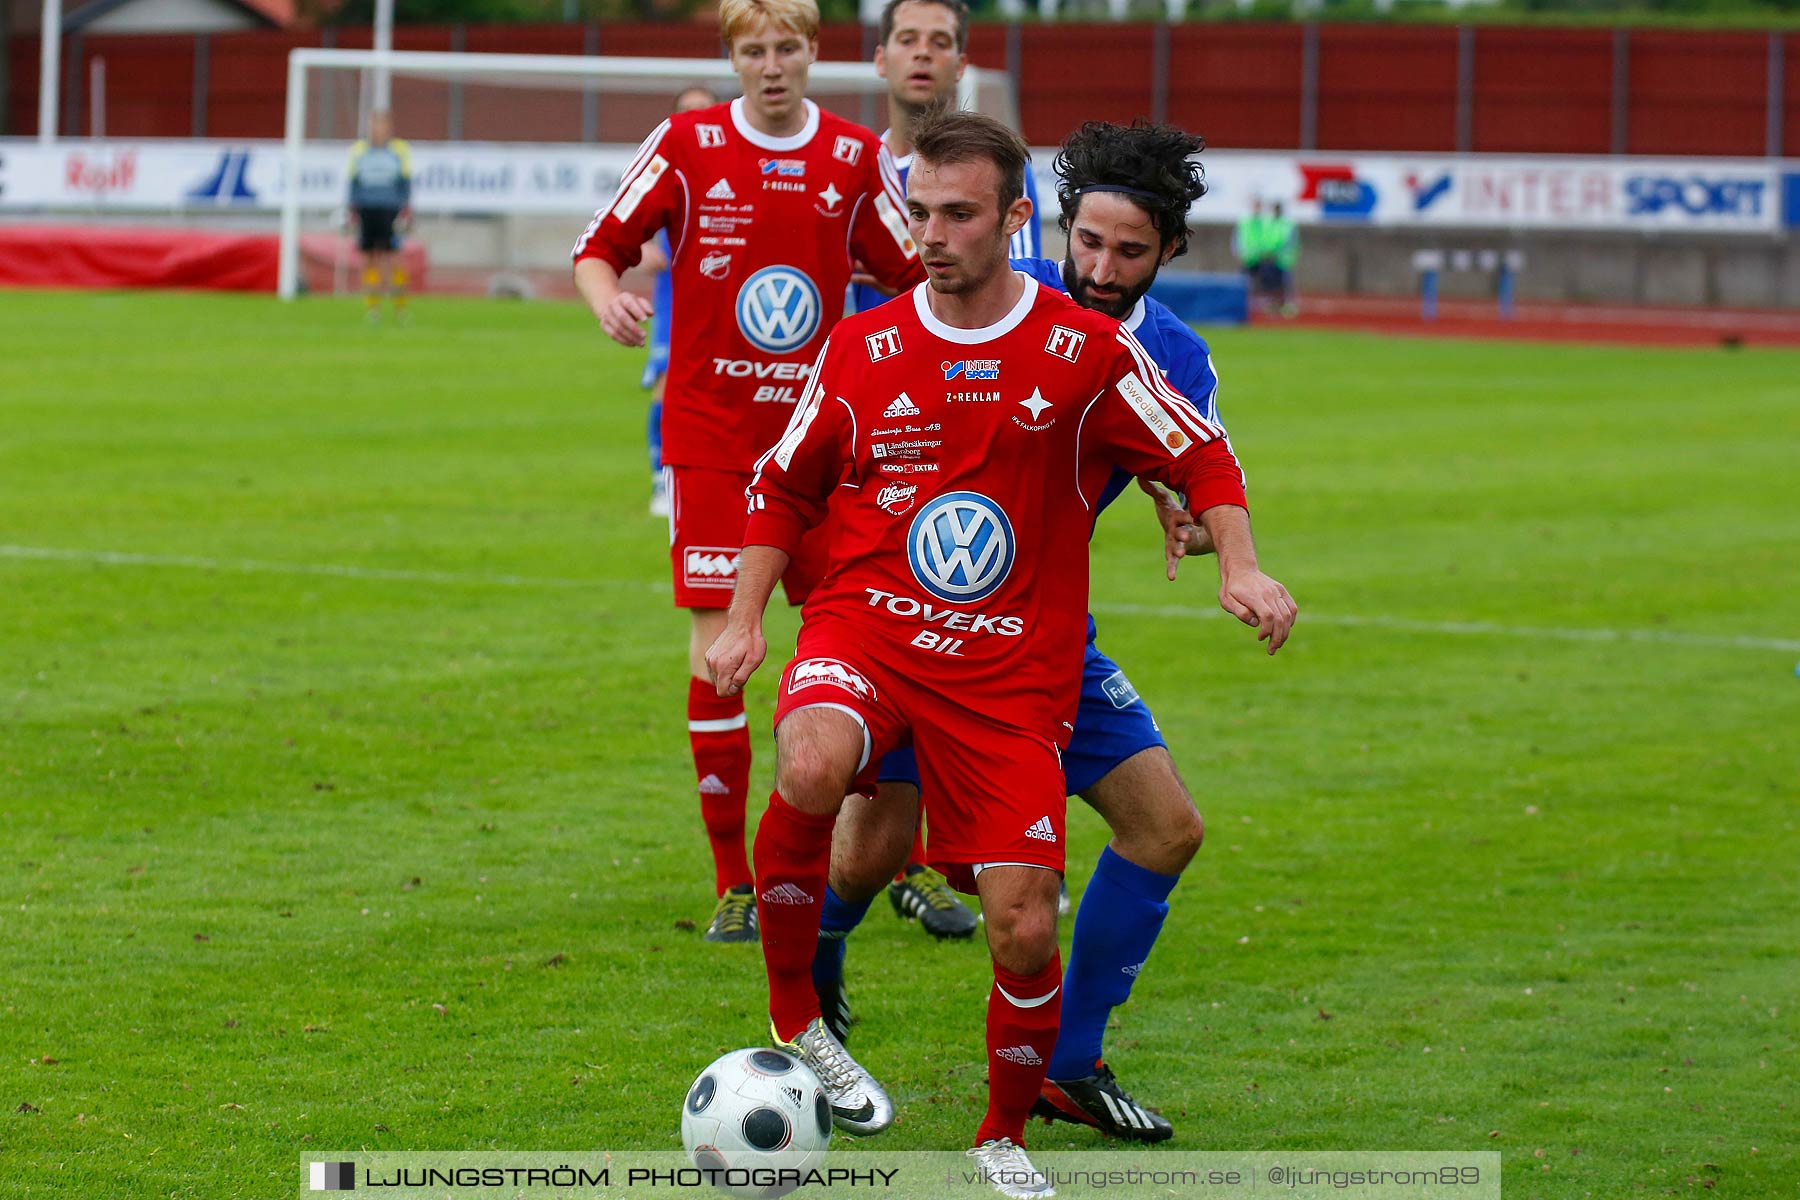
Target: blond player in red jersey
(955, 609)
(767, 200)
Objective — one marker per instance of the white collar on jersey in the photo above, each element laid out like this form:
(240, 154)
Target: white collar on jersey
(757, 137)
(974, 337)
(900, 164)
(1136, 318)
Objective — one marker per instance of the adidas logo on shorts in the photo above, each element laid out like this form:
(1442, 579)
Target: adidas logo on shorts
(902, 407)
(786, 893)
(1025, 1056)
(1041, 830)
(720, 191)
(712, 785)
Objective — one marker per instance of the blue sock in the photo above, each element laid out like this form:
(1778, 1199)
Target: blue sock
(653, 433)
(836, 919)
(1121, 913)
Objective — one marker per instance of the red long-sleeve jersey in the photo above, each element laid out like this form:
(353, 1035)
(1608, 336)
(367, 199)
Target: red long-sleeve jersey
(962, 468)
(763, 232)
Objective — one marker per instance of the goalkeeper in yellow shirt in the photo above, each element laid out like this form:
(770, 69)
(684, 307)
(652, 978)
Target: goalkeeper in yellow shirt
(380, 174)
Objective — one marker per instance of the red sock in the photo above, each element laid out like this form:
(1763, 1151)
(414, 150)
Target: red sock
(793, 852)
(719, 733)
(1023, 1014)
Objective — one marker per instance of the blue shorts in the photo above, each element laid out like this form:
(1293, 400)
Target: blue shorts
(1111, 724)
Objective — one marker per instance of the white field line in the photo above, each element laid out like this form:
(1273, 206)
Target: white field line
(248, 566)
(251, 566)
(1666, 637)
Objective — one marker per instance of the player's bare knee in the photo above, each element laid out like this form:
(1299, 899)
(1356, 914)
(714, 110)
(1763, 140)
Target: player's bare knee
(1024, 942)
(809, 778)
(1021, 923)
(812, 773)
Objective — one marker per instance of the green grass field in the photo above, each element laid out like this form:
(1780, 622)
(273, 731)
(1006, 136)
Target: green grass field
(344, 798)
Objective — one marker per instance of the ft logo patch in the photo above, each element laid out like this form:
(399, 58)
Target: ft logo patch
(1065, 343)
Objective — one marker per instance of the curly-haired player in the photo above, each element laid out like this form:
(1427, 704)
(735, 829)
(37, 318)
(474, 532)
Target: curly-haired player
(1124, 192)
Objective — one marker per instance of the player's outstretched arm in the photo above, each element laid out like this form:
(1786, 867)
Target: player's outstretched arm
(621, 313)
(1181, 536)
(1244, 591)
(738, 651)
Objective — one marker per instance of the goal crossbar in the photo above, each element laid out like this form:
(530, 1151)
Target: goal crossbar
(598, 74)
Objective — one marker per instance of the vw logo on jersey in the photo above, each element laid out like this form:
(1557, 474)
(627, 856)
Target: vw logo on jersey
(961, 547)
(778, 309)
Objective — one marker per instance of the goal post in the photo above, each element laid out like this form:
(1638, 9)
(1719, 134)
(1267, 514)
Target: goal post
(310, 70)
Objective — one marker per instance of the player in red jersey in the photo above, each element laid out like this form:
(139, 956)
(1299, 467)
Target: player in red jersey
(766, 200)
(959, 439)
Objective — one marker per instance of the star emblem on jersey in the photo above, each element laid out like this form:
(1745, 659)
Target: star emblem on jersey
(1042, 830)
(1036, 404)
(961, 547)
(831, 195)
(720, 191)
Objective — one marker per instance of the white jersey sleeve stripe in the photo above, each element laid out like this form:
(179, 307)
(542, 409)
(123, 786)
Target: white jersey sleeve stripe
(1179, 406)
(890, 203)
(890, 175)
(804, 412)
(645, 156)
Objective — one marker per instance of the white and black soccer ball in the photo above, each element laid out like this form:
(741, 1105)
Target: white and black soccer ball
(754, 1113)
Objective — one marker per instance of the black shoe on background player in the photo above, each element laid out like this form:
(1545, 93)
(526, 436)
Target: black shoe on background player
(925, 896)
(1100, 1103)
(834, 1007)
(734, 919)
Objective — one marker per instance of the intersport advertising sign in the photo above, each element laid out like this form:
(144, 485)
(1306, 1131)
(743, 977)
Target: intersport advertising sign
(1483, 192)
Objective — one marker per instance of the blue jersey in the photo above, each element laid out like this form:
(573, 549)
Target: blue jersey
(663, 302)
(1025, 244)
(1183, 355)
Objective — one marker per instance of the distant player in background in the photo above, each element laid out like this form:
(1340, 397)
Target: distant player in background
(1282, 248)
(656, 258)
(380, 174)
(1247, 243)
(767, 200)
(922, 55)
(1125, 193)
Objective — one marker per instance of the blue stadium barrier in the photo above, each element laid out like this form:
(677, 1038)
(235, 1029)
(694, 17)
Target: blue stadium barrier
(1204, 297)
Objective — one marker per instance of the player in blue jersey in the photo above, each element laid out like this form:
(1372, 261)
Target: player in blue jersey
(922, 52)
(656, 366)
(1125, 193)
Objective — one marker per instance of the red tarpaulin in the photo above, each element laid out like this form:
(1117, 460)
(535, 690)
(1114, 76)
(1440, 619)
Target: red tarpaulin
(107, 256)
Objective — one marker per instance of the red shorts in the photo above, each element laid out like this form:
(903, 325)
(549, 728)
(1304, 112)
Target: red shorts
(707, 514)
(995, 793)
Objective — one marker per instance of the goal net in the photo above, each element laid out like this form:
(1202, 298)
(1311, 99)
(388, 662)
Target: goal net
(536, 142)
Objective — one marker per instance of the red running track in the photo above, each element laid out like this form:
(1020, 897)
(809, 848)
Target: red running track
(1618, 325)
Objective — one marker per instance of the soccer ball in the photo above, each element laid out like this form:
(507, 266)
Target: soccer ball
(752, 1114)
